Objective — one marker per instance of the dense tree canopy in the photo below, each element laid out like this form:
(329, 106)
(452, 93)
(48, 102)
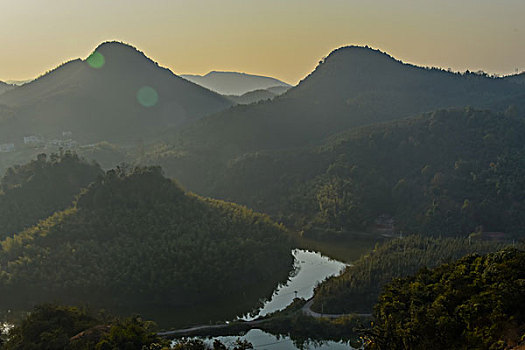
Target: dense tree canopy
(449, 172)
(34, 191)
(357, 289)
(474, 303)
(136, 238)
(49, 327)
(60, 327)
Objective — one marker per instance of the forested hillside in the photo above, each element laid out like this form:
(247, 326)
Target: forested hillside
(136, 239)
(447, 172)
(358, 288)
(351, 88)
(34, 191)
(474, 303)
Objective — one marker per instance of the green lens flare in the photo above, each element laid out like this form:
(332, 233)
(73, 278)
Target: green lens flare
(147, 96)
(96, 60)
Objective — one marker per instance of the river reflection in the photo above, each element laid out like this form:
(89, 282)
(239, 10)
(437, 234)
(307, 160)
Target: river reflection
(263, 340)
(310, 269)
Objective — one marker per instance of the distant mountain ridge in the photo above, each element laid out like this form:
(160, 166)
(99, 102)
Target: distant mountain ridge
(234, 83)
(258, 95)
(117, 94)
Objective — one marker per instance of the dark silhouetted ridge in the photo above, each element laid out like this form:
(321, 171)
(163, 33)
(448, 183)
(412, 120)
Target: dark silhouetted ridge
(98, 99)
(351, 87)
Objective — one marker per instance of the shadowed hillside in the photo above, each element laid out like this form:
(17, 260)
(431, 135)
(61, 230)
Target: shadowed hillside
(353, 86)
(117, 94)
(447, 172)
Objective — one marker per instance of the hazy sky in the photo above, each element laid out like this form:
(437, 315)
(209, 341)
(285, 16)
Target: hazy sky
(280, 38)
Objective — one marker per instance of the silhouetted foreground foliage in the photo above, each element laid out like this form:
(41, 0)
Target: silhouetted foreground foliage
(474, 303)
(135, 238)
(197, 344)
(57, 327)
(49, 327)
(357, 289)
(36, 190)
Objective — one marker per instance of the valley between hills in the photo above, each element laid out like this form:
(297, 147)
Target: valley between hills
(187, 199)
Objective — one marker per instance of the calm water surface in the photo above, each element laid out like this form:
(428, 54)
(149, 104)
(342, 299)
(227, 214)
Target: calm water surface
(310, 269)
(262, 340)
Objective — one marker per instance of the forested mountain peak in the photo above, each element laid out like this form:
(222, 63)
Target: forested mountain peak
(114, 45)
(119, 54)
(116, 94)
(357, 52)
(361, 68)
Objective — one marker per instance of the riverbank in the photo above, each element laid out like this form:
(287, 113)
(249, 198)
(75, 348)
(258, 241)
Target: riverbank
(287, 310)
(296, 321)
(345, 247)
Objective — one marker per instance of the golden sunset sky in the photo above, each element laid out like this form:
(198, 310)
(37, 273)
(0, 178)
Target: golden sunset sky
(280, 38)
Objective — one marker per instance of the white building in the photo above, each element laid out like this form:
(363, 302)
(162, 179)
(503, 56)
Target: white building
(31, 140)
(62, 143)
(55, 142)
(69, 144)
(67, 134)
(7, 147)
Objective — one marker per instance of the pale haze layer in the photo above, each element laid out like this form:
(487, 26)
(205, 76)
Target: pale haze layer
(280, 38)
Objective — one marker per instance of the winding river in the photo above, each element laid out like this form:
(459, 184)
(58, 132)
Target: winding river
(310, 269)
